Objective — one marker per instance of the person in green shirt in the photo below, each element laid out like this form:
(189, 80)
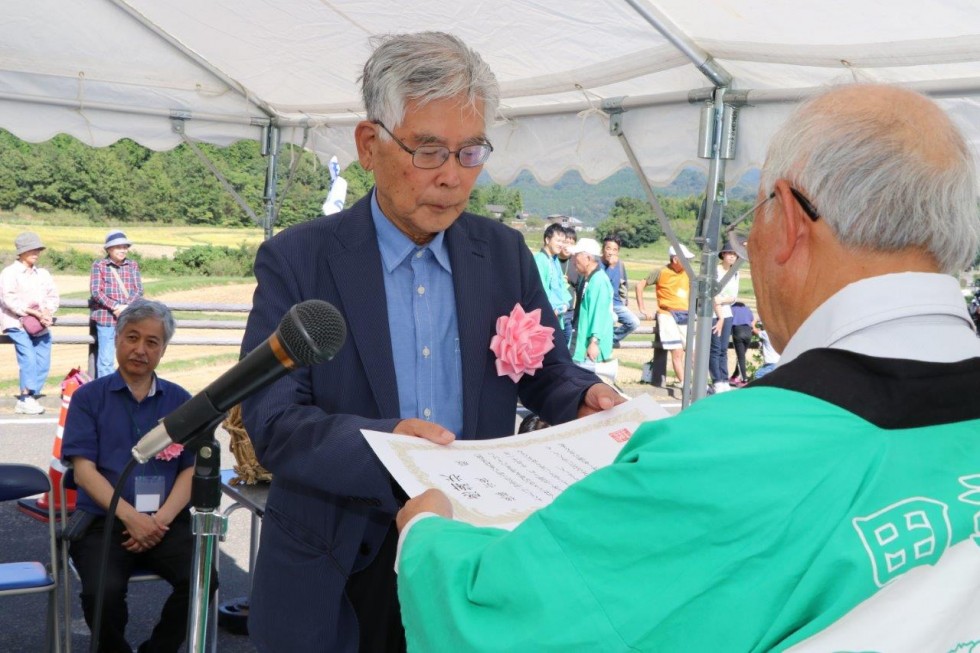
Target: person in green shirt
(549, 267)
(846, 515)
(594, 317)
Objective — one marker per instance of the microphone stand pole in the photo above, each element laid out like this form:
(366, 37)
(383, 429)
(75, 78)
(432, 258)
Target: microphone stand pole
(208, 524)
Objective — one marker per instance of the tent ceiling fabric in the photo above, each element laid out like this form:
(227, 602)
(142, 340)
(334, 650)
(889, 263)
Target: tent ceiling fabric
(102, 70)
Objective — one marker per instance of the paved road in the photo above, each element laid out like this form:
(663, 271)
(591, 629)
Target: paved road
(28, 439)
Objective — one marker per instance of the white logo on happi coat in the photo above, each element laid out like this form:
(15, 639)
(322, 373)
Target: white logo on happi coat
(905, 535)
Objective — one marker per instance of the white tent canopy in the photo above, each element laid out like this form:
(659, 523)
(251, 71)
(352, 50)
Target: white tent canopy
(102, 70)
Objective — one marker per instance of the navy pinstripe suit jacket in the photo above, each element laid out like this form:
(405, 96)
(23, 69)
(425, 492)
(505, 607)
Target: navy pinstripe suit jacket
(331, 501)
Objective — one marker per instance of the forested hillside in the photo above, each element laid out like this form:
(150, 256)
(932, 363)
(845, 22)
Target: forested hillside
(127, 183)
(592, 203)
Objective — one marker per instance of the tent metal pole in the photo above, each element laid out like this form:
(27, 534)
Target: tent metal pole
(705, 287)
(616, 129)
(271, 149)
(701, 59)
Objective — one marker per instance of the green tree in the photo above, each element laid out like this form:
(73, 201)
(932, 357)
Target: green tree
(496, 194)
(633, 221)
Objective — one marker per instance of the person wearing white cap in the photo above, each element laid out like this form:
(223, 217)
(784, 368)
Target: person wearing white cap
(593, 339)
(29, 300)
(673, 297)
(115, 282)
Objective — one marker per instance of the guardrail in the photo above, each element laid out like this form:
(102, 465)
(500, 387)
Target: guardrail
(78, 320)
(89, 339)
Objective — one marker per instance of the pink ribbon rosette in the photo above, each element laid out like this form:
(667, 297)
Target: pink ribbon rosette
(172, 451)
(521, 343)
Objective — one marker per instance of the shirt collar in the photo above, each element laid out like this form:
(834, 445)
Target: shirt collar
(117, 383)
(874, 301)
(395, 246)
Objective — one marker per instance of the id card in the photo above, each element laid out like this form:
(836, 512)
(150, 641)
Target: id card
(149, 493)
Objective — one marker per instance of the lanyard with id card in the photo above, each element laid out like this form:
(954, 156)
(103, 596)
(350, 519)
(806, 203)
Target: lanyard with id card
(150, 488)
(149, 493)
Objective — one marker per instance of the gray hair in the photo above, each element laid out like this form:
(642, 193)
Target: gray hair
(876, 179)
(423, 67)
(144, 309)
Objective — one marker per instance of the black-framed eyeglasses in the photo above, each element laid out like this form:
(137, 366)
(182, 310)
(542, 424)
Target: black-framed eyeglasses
(738, 237)
(429, 157)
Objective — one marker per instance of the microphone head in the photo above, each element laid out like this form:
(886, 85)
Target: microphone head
(312, 332)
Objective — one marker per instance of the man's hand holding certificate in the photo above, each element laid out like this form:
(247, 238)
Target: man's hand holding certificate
(500, 482)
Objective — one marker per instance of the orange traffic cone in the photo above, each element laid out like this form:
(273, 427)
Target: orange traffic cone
(72, 382)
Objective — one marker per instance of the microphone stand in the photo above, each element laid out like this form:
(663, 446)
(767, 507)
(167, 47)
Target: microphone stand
(207, 525)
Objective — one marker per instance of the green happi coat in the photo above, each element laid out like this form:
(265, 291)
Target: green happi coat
(749, 522)
(595, 317)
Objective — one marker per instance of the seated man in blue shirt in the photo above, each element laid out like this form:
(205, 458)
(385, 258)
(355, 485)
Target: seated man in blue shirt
(152, 530)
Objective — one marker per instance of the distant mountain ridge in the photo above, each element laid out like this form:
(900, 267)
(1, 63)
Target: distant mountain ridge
(591, 203)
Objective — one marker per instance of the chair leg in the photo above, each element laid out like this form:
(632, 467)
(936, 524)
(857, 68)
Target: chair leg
(54, 632)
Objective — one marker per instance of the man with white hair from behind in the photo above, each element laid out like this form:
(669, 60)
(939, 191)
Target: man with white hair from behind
(848, 516)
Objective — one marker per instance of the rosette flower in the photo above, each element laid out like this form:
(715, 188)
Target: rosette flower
(521, 343)
(171, 452)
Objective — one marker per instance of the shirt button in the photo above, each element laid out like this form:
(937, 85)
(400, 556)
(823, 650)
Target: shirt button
(419, 253)
(425, 351)
(421, 290)
(427, 412)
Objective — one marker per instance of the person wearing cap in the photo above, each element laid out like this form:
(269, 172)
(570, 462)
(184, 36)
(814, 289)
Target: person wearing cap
(27, 291)
(721, 329)
(593, 339)
(115, 283)
(673, 288)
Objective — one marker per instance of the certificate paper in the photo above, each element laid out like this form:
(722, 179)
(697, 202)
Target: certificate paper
(500, 482)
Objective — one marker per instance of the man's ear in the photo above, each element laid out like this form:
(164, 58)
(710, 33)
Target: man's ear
(792, 228)
(366, 137)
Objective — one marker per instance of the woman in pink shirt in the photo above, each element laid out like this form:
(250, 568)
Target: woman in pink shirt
(27, 291)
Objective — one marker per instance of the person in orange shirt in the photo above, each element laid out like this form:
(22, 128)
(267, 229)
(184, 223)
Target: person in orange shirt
(673, 296)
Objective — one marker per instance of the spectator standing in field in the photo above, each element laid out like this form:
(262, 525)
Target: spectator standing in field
(770, 357)
(673, 297)
(742, 319)
(29, 300)
(721, 330)
(615, 269)
(552, 276)
(571, 280)
(593, 307)
(115, 283)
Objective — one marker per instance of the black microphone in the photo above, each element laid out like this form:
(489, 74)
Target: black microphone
(309, 333)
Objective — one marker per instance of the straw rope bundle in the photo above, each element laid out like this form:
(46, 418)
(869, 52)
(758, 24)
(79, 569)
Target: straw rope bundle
(248, 468)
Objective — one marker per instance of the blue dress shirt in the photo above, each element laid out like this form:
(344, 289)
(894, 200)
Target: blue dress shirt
(422, 321)
(105, 421)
